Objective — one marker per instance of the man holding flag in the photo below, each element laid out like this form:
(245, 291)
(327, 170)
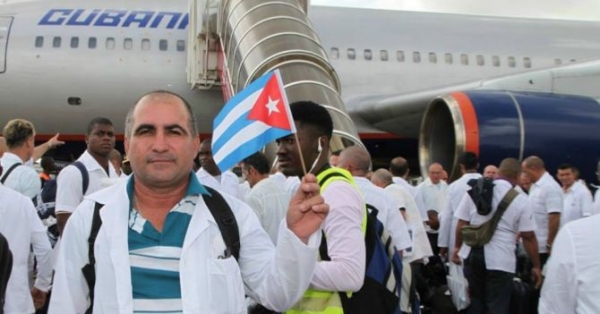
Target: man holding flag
(257, 116)
(159, 249)
(344, 270)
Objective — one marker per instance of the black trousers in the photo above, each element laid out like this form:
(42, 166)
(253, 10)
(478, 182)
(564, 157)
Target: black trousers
(490, 289)
(535, 293)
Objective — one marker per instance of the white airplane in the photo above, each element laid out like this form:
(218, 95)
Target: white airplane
(457, 82)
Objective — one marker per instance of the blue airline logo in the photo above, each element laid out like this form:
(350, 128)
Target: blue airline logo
(115, 18)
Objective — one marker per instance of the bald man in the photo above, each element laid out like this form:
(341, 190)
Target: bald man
(357, 161)
(432, 197)
(490, 171)
(546, 201)
(400, 170)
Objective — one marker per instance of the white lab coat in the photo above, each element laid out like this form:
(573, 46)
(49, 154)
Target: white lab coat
(276, 278)
(23, 229)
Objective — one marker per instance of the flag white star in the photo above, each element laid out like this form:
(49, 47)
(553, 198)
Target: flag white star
(272, 105)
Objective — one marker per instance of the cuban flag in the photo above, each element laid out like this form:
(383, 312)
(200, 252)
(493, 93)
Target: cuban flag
(253, 118)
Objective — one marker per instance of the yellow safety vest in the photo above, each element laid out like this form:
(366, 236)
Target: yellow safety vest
(318, 301)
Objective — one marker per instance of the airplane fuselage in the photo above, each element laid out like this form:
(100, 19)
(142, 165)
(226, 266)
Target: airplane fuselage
(69, 61)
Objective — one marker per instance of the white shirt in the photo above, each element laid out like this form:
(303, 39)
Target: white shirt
(456, 191)
(22, 228)
(407, 186)
(577, 203)
(208, 284)
(345, 240)
(572, 283)
(228, 182)
(69, 184)
(270, 201)
(431, 197)
(500, 251)
(22, 179)
(545, 197)
(420, 243)
(388, 212)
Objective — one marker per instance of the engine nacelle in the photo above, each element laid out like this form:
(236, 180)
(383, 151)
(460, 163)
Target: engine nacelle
(500, 124)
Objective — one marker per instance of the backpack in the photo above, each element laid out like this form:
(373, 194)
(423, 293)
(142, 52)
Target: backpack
(217, 206)
(7, 173)
(482, 192)
(45, 201)
(382, 284)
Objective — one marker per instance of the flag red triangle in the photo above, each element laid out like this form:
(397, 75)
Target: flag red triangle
(270, 107)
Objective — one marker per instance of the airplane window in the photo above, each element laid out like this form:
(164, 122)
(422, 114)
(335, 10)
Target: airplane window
(527, 62)
(163, 45)
(448, 58)
(400, 56)
(351, 54)
(496, 61)
(56, 42)
(39, 41)
(334, 53)
(110, 43)
(181, 45)
(432, 57)
(416, 57)
(128, 44)
(383, 54)
(480, 60)
(464, 59)
(573, 60)
(92, 42)
(557, 61)
(368, 54)
(74, 42)
(145, 44)
(512, 62)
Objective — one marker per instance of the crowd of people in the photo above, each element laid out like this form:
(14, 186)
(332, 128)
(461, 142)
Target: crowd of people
(166, 231)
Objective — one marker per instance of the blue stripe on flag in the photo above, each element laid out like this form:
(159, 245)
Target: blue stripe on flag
(250, 147)
(230, 131)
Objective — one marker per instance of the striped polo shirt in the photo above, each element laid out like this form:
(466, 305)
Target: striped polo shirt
(154, 256)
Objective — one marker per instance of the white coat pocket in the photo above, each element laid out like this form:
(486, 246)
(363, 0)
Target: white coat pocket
(227, 287)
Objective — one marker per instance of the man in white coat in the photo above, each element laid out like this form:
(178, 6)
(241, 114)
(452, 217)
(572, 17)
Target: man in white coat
(468, 166)
(148, 260)
(23, 229)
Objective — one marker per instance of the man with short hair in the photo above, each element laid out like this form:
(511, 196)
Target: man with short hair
(267, 197)
(490, 171)
(421, 247)
(47, 164)
(19, 135)
(159, 248)
(468, 167)
(546, 202)
(432, 196)
(100, 140)
(210, 175)
(577, 199)
(357, 161)
(490, 269)
(399, 168)
(342, 227)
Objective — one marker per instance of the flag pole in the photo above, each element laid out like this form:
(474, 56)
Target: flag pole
(300, 153)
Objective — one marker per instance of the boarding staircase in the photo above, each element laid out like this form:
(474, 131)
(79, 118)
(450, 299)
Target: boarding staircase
(233, 42)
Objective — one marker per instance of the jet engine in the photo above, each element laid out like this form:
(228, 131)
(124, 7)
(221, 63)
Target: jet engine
(500, 124)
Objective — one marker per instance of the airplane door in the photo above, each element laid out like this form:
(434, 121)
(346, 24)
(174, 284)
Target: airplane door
(5, 22)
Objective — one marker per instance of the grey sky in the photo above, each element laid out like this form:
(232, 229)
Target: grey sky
(581, 9)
